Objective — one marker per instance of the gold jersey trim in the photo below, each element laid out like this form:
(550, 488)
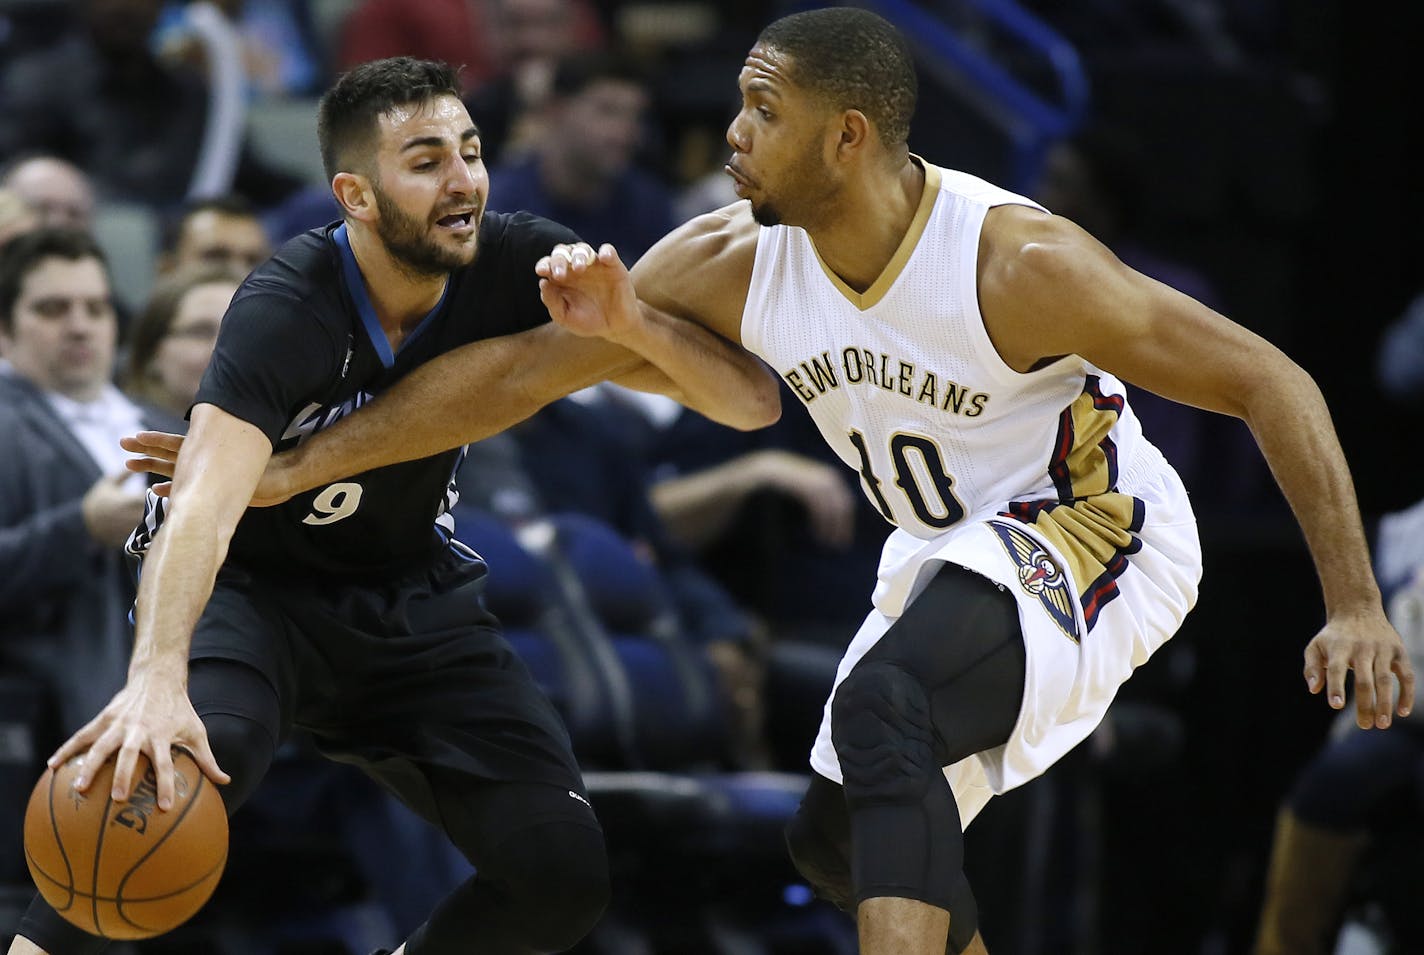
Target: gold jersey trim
(896, 265)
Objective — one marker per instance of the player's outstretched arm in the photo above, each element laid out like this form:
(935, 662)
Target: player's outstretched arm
(222, 460)
(591, 293)
(1047, 288)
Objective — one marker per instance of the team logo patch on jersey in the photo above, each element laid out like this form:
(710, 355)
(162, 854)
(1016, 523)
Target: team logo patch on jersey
(1040, 575)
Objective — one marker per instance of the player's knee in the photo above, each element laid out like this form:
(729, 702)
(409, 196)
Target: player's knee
(880, 725)
(243, 749)
(820, 861)
(555, 876)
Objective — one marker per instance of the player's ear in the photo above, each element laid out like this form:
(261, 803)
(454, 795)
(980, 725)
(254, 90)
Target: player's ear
(354, 195)
(854, 132)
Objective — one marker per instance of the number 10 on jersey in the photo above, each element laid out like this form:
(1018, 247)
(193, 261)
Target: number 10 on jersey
(935, 505)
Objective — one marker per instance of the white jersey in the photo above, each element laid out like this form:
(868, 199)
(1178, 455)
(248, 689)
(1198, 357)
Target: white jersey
(1041, 481)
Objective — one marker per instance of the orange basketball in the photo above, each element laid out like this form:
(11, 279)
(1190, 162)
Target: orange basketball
(126, 870)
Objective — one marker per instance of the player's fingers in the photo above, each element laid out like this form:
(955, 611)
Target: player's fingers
(1404, 670)
(581, 256)
(76, 744)
(160, 443)
(165, 488)
(125, 765)
(96, 756)
(542, 266)
(202, 754)
(163, 772)
(1314, 672)
(1364, 666)
(1384, 691)
(559, 260)
(150, 465)
(1335, 670)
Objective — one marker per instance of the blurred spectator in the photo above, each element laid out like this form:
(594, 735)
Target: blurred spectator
(570, 457)
(16, 216)
(275, 40)
(1363, 787)
(1399, 365)
(311, 208)
(775, 518)
(581, 169)
(224, 230)
(484, 37)
(103, 100)
(172, 339)
(54, 189)
(66, 502)
(508, 106)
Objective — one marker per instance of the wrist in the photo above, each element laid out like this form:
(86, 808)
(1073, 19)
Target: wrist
(167, 670)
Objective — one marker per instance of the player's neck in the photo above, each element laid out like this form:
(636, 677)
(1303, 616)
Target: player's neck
(400, 296)
(867, 222)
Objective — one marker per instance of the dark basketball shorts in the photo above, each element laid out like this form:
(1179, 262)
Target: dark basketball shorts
(408, 680)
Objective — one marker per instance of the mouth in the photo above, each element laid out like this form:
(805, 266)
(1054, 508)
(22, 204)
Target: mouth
(457, 222)
(740, 182)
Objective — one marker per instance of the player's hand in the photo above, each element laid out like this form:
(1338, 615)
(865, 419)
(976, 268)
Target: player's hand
(817, 487)
(150, 715)
(1368, 644)
(111, 510)
(159, 452)
(586, 292)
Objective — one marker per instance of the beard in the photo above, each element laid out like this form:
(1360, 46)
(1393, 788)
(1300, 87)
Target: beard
(410, 242)
(765, 214)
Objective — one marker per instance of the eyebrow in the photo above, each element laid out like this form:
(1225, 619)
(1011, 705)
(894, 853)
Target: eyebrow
(438, 141)
(762, 86)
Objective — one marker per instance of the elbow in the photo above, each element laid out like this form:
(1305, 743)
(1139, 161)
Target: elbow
(1283, 388)
(763, 411)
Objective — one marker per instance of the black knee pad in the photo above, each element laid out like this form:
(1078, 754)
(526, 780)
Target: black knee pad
(881, 728)
(820, 860)
(243, 749)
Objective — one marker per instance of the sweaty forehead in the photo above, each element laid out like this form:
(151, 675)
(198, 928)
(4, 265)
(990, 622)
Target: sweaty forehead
(431, 117)
(766, 69)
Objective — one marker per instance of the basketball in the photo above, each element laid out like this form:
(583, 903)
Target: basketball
(126, 870)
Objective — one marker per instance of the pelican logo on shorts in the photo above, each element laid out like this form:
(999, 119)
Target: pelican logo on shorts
(1040, 576)
(144, 800)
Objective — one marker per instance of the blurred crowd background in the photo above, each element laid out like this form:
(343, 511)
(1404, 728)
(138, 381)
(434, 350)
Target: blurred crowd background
(683, 591)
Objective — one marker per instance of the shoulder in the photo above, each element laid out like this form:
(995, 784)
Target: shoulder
(703, 268)
(1022, 248)
(715, 246)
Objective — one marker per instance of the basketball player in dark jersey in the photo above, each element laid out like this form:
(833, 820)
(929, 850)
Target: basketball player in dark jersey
(350, 611)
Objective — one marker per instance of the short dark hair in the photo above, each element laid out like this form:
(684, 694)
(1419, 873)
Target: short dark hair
(23, 253)
(855, 59)
(347, 115)
(231, 204)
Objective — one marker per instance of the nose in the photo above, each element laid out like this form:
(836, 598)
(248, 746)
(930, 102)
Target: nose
(736, 135)
(464, 179)
(77, 322)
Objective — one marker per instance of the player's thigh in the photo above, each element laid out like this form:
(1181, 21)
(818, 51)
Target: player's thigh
(960, 639)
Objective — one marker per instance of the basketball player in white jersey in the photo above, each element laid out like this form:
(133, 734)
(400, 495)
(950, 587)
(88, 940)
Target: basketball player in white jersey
(964, 351)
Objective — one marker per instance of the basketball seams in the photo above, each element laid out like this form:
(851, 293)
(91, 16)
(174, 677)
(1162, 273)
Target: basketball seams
(144, 900)
(98, 854)
(115, 915)
(188, 805)
(59, 844)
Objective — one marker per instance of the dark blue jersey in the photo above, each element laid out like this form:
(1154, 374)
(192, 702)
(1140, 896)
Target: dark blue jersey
(300, 348)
